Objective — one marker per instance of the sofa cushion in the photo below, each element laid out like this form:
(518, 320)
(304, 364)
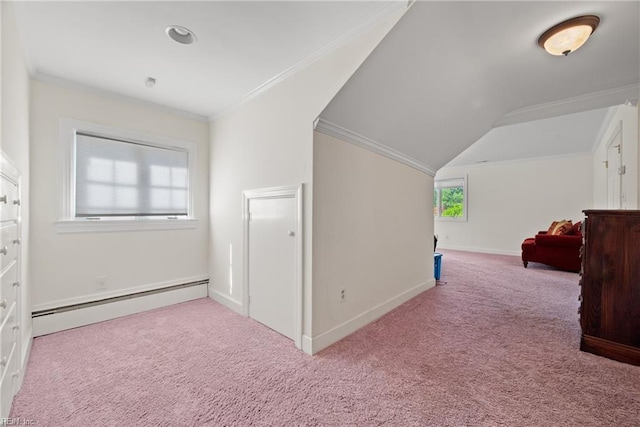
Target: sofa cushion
(562, 240)
(575, 230)
(558, 228)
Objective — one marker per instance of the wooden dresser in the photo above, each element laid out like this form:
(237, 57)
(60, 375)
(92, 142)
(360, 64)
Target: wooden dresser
(610, 282)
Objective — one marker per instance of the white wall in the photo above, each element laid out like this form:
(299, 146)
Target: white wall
(15, 141)
(510, 201)
(268, 141)
(628, 116)
(373, 236)
(65, 266)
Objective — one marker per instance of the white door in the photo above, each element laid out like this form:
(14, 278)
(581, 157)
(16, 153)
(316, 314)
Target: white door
(614, 171)
(272, 263)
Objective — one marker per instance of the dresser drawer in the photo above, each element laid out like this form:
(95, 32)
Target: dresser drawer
(8, 290)
(8, 336)
(9, 381)
(8, 244)
(8, 200)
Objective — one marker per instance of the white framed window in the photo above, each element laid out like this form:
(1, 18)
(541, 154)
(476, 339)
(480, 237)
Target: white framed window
(450, 199)
(117, 180)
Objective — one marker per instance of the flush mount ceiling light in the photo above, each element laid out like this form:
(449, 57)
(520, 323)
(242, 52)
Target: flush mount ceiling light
(180, 34)
(567, 36)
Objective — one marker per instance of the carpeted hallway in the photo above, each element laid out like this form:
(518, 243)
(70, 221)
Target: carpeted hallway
(496, 345)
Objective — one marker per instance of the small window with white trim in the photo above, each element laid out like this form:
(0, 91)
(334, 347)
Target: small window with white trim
(124, 179)
(450, 199)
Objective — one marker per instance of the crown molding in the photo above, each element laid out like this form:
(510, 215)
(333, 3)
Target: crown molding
(589, 101)
(339, 41)
(354, 138)
(69, 84)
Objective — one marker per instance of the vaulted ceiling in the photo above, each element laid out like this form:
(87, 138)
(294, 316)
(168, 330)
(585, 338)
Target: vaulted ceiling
(444, 76)
(449, 72)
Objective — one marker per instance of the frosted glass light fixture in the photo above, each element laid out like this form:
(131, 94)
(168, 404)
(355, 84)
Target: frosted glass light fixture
(567, 36)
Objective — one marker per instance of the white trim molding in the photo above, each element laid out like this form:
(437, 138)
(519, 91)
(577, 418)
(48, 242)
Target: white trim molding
(226, 300)
(480, 250)
(117, 293)
(295, 192)
(107, 225)
(589, 101)
(357, 29)
(608, 119)
(362, 141)
(59, 321)
(341, 331)
(68, 223)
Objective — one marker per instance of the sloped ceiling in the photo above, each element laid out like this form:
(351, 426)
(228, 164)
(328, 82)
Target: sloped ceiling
(449, 71)
(554, 136)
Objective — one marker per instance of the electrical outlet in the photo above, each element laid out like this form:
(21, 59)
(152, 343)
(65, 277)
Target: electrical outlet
(343, 295)
(101, 282)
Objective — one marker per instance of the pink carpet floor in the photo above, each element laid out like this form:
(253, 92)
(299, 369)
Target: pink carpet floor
(496, 345)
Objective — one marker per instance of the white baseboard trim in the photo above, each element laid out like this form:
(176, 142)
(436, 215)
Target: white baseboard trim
(335, 334)
(117, 293)
(56, 322)
(307, 344)
(480, 250)
(225, 300)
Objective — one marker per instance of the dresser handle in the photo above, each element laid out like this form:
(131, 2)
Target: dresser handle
(3, 304)
(3, 362)
(16, 327)
(17, 241)
(16, 284)
(3, 199)
(4, 251)
(16, 202)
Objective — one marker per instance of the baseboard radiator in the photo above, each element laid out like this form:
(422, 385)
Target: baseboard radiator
(74, 315)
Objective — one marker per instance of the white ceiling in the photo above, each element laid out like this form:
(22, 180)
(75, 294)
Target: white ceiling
(445, 75)
(449, 71)
(555, 136)
(241, 46)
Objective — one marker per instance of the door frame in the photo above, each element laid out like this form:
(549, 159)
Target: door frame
(614, 136)
(295, 192)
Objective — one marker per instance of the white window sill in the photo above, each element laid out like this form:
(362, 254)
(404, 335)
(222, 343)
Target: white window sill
(451, 219)
(114, 225)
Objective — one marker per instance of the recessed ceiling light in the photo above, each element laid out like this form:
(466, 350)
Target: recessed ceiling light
(180, 34)
(567, 36)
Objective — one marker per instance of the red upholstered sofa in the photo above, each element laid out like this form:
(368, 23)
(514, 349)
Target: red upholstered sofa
(559, 251)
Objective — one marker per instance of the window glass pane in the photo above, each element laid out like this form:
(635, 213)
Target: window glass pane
(449, 198)
(117, 178)
(452, 200)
